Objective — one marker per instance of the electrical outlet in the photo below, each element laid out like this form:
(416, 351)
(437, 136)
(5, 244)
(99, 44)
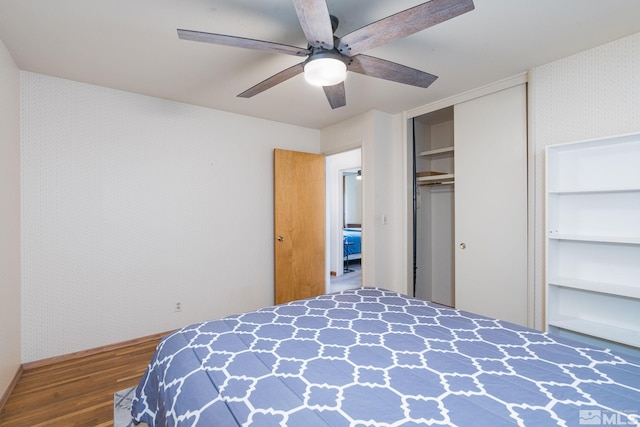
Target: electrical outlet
(177, 307)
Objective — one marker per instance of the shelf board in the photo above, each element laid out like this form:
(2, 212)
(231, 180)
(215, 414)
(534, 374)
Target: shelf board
(631, 139)
(436, 184)
(600, 330)
(596, 190)
(429, 173)
(434, 178)
(436, 151)
(604, 288)
(633, 240)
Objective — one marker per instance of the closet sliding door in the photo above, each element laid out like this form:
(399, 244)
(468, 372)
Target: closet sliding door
(491, 205)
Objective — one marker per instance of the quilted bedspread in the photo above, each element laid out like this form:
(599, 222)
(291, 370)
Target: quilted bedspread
(370, 357)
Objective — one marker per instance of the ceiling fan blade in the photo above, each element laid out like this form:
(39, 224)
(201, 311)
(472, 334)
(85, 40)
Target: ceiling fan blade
(315, 21)
(382, 69)
(402, 24)
(273, 80)
(222, 39)
(335, 95)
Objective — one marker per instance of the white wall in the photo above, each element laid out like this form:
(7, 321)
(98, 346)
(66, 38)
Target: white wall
(9, 219)
(380, 136)
(592, 94)
(131, 204)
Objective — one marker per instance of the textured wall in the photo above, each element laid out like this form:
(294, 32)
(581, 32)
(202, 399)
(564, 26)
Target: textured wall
(592, 94)
(9, 219)
(131, 204)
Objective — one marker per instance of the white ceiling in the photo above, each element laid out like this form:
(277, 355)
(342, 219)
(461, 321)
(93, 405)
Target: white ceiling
(132, 45)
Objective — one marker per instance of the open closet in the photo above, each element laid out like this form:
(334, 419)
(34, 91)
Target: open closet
(434, 206)
(469, 219)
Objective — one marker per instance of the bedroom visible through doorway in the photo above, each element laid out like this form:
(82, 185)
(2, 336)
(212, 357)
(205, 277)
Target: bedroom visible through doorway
(344, 191)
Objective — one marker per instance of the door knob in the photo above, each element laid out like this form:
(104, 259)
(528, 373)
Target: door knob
(463, 245)
(280, 239)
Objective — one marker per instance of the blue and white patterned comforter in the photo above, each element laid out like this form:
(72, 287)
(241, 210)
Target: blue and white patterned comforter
(371, 357)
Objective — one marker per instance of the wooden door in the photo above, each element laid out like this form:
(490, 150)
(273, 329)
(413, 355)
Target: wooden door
(299, 200)
(491, 205)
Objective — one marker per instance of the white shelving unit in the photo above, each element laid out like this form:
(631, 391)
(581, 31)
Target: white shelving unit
(593, 240)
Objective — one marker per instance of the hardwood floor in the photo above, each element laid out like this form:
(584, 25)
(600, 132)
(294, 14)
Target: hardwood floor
(76, 392)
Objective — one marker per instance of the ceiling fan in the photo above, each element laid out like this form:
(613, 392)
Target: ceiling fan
(330, 57)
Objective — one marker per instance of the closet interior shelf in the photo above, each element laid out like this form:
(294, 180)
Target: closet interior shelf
(430, 178)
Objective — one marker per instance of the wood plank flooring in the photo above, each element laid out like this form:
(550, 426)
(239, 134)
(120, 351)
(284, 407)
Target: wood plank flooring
(77, 392)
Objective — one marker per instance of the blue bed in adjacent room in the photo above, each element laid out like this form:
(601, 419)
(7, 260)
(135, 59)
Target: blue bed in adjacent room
(352, 237)
(371, 357)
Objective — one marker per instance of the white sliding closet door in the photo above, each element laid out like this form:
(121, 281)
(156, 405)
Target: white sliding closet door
(491, 205)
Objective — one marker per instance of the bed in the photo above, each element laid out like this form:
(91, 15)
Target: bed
(371, 357)
(352, 237)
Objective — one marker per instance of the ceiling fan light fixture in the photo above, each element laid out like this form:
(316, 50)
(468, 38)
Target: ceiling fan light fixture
(324, 70)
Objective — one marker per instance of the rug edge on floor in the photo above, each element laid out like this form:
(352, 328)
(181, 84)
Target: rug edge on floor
(122, 407)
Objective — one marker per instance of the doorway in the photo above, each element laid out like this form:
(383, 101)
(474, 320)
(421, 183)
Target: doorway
(344, 206)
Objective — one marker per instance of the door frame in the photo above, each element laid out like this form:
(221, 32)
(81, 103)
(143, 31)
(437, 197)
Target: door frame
(335, 210)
